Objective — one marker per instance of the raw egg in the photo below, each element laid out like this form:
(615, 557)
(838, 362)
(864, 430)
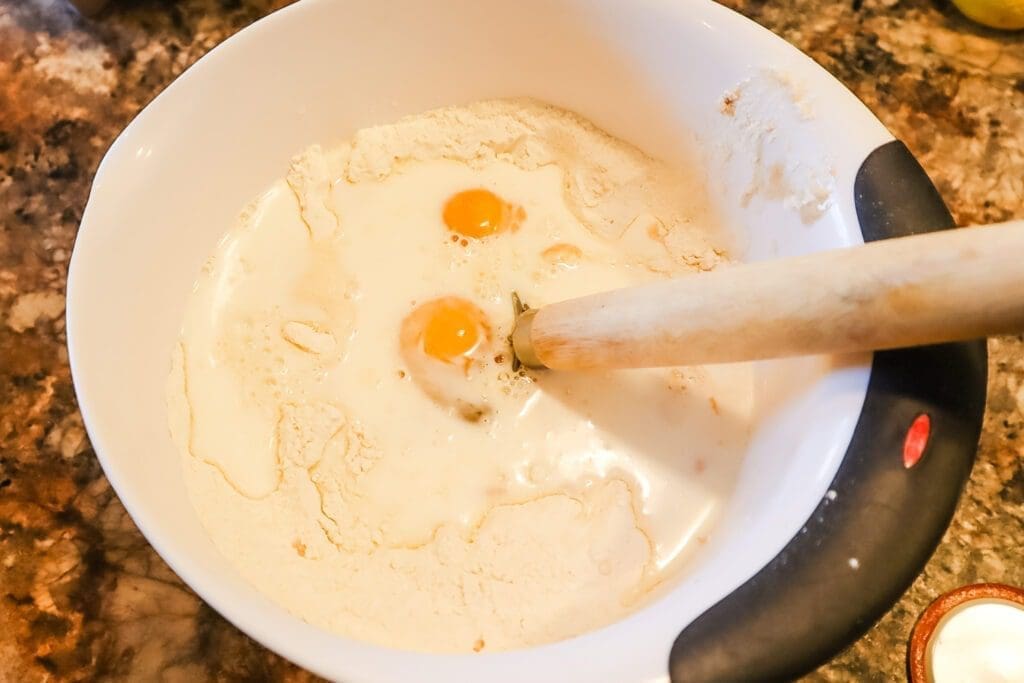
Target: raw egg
(480, 213)
(446, 329)
(440, 342)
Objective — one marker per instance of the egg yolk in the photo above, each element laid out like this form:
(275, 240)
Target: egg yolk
(446, 329)
(476, 213)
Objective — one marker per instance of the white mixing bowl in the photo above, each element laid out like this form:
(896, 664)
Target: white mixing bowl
(654, 72)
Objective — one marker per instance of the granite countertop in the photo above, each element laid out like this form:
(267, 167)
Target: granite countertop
(84, 597)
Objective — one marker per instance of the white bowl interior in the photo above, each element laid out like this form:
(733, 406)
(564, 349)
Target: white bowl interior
(653, 72)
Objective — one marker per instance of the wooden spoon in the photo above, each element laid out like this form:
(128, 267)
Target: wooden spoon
(929, 288)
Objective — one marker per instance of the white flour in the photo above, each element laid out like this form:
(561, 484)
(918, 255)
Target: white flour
(756, 111)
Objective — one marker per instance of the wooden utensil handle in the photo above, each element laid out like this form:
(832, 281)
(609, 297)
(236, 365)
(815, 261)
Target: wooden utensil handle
(935, 287)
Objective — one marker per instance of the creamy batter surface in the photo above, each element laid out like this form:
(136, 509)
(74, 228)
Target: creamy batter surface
(352, 433)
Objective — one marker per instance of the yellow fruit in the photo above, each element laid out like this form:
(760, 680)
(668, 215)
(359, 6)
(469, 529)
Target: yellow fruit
(1005, 14)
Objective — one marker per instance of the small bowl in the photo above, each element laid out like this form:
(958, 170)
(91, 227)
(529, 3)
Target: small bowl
(824, 510)
(947, 607)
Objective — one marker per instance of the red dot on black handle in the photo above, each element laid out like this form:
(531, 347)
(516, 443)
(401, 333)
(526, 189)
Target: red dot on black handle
(916, 440)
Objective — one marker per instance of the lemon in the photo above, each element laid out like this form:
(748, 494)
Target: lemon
(1005, 14)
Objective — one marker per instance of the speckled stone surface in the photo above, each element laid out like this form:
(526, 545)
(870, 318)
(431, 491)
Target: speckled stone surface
(84, 597)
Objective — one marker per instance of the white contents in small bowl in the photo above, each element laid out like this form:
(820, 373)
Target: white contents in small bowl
(981, 641)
